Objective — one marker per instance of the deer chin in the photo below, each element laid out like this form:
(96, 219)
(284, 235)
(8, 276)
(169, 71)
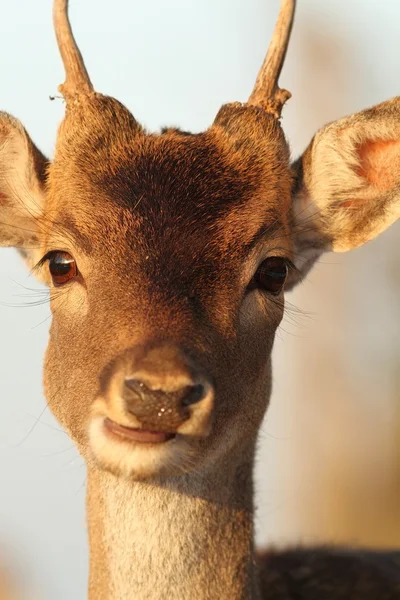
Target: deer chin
(135, 454)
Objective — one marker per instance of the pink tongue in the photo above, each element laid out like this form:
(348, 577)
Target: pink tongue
(137, 435)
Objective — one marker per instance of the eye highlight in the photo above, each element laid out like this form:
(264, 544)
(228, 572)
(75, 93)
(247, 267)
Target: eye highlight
(271, 275)
(62, 267)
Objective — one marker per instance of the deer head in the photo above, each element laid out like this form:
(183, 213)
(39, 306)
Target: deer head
(168, 256)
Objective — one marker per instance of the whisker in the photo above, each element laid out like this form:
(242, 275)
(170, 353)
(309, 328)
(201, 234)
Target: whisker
(32, 428)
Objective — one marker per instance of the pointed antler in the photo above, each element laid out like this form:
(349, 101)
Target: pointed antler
(266, 92)
(77, 80)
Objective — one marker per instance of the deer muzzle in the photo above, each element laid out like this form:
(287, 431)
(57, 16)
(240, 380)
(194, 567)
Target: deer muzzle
(158, 388)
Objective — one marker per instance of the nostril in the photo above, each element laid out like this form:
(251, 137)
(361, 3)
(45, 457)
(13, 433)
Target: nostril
(194, 394)
(134, 386)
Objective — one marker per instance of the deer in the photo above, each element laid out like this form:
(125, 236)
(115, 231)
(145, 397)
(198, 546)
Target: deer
(167, 256)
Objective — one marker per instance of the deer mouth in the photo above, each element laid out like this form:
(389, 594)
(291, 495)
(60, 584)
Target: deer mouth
(139, 453)
(143, 436)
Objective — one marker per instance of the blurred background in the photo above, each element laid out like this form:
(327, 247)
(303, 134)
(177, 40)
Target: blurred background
(328, 468)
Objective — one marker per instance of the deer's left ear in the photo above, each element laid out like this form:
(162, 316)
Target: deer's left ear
(347, 184)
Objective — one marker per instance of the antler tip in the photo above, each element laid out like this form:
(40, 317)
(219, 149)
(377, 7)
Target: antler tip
(77, 80)
(266, 92)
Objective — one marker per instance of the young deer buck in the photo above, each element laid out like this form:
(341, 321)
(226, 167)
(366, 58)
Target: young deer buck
(167, 256)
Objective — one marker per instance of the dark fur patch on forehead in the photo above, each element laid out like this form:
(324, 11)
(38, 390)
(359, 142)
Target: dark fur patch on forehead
(175, 176)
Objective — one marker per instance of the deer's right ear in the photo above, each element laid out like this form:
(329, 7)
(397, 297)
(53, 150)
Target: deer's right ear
(347, 184)
(22, 182)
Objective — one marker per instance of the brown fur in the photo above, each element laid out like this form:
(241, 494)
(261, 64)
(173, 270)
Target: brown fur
(167, 231)
(330, 573)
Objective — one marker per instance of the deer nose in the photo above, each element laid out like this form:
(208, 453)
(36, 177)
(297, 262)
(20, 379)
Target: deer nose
(164, 389)
(161, 409)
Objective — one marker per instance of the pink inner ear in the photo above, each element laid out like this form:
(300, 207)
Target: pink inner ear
(380, 163)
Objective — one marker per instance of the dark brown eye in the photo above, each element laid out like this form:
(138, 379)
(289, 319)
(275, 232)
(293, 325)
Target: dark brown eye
(62, 267)
(271, 275)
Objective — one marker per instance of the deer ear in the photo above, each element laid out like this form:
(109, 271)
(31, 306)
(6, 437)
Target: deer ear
(347, 184)
(22, 181)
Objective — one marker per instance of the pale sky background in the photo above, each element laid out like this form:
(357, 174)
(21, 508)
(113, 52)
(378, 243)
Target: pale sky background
(172, 63)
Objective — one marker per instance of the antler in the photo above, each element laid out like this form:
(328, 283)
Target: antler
(266, 92)
(77, 80)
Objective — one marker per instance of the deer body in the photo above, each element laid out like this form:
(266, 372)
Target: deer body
(167, 257)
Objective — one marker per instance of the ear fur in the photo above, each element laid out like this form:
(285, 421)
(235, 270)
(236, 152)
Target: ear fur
(22, 182)
(347, 183)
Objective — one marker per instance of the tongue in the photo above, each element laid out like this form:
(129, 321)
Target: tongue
(138, 435)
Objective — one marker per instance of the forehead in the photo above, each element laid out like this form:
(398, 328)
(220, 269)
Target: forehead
(157, 189)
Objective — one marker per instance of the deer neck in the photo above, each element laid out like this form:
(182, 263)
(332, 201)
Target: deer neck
(189, 537)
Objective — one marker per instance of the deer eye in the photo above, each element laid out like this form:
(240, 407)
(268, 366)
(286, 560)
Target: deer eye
(271, 275)
(62, 267)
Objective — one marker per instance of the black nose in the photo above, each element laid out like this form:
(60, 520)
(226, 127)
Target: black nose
(136, 393)
(163, 387)
(158, 409)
